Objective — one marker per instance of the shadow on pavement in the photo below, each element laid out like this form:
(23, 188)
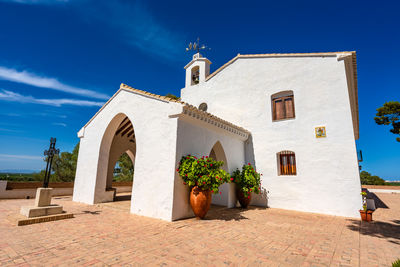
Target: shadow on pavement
(378, 202)
(225, 214)
(387, 230)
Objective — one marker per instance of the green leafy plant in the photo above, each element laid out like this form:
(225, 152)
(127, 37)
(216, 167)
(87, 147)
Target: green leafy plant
(396, 263)
(364, 198)
(205, 172)
(247, 180)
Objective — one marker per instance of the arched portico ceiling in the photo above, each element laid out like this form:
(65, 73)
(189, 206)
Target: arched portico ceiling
(187, 110)
(126, 129)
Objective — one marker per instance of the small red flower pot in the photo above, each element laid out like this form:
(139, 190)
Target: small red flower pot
(366, 216)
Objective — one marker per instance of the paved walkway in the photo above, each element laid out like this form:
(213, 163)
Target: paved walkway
(107, 234)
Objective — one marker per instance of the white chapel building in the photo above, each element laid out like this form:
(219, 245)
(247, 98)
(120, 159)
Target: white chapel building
(293, 116)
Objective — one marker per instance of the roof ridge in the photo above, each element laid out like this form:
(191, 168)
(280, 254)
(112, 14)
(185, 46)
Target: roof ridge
(276, 55)
(146, 93)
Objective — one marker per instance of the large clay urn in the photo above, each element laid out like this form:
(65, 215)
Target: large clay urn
(244, 201)
(200, 200)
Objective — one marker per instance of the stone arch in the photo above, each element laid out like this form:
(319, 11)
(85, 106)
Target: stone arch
(118, 138)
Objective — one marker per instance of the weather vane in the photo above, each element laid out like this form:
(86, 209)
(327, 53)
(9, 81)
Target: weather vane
(196, 46)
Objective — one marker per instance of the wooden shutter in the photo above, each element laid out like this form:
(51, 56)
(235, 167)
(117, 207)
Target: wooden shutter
(287, 161)
(292, 164)
(279, 109)
(289, 108)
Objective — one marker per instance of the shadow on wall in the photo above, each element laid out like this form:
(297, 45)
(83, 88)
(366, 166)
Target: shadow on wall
(386, 230)
(262, 198)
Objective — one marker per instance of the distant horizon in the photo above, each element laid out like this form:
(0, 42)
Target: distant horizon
(27, 171)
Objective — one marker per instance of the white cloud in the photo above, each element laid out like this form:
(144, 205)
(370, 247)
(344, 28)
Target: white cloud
(33, 79)
(15, 97)
(36, 2)
(137, 26)
(10, 130)
(60, 124)
(133, 22)
(8, 156)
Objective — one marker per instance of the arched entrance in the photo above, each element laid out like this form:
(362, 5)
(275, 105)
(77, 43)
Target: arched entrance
(217, 152)
(118, 139)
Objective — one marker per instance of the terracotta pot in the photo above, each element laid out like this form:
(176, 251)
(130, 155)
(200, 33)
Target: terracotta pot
(244, 201)
(366, 216)
(200, 200)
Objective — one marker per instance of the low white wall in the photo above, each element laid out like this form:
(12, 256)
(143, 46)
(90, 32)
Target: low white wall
(31, 192)
(389, 191)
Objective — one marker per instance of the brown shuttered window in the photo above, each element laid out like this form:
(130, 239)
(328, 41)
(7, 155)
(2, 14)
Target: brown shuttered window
(287, 163)
(283, 107)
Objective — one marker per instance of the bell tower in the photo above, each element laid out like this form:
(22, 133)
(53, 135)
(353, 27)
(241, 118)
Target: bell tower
(197, 70)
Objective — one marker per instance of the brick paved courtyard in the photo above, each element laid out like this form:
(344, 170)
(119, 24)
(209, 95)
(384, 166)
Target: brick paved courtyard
(107, 234)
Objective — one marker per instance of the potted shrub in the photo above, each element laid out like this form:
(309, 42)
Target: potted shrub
(247, 181)
(366, 215)
(203, 176)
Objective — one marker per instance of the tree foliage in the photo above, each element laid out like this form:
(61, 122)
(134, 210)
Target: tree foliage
(389, 114)
(125, 169)
(368, 179)
(64, 166)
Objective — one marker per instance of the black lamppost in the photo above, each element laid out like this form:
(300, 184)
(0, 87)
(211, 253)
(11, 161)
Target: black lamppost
(50, 155)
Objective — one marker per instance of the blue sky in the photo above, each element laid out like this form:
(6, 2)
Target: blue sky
(61, 59)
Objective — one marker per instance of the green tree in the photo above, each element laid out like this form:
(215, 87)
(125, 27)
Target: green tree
(64, 166)
(388, 114)
(368, 179)
(125, 169)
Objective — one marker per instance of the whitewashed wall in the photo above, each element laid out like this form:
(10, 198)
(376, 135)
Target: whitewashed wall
(327, 179)
(198, 138)
(155, 153)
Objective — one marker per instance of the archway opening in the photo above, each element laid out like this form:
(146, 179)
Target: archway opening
(217, 153)
(123, 177)
(121, 162)
(123, 169)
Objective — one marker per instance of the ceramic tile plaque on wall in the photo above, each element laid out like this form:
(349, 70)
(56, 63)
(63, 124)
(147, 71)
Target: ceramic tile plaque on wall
(320, 132)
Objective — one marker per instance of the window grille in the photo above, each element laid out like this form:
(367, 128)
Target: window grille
(287, 163)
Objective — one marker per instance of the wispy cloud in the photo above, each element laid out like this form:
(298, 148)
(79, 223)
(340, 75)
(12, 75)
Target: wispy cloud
(10, 130)
(36, 2)
(131, 20)
(8, 156)
(141, 28)
(49, 114)
(15, 97)
(135, 25)
(33, 79)
(60, 124)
